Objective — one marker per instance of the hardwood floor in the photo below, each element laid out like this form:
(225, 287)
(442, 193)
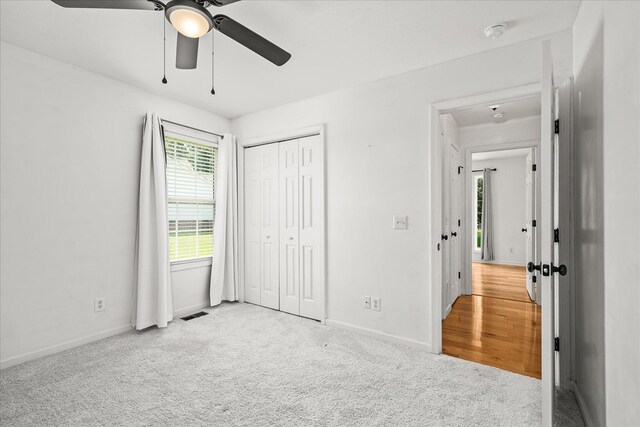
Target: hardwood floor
(499, 327)
(499, 281)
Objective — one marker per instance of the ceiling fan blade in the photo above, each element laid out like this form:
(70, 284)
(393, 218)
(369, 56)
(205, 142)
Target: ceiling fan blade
(220, 3)
(186, 52)
(251, 40)
(107, 4)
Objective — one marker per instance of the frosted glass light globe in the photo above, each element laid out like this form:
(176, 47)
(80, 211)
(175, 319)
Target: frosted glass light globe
(189, 22)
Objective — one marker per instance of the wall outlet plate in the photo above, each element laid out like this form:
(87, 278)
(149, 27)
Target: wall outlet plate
(366, 302)
(376, 303)
(400, 222)
(99, 304)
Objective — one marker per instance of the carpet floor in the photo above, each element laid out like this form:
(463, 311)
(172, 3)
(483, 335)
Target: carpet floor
(249, 366)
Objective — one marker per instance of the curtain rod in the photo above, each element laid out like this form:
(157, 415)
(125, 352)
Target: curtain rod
(192, 128)
(482, 170)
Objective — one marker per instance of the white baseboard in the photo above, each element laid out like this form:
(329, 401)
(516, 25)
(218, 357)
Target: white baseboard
(586, 416)
(377, 334)
(495, 261)
(447, 311)
(16, 360)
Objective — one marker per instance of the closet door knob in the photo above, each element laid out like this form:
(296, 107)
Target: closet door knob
(290, 238)
(268, 237)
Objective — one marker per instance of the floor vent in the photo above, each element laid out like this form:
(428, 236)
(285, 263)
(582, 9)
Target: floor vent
(195, 315)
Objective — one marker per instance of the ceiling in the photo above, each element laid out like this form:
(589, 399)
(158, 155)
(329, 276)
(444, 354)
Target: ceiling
(335, 44)
(510, 110)
(502, 154)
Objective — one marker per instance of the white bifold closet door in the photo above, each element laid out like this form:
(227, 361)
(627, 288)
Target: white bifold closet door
(261, 226)
(299, 198)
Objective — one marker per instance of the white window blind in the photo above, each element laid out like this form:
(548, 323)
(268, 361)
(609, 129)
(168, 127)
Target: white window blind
(191, 171)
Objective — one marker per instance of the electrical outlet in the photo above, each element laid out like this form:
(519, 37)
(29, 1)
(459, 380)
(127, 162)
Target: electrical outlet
(99, 304)
(366, 302)
(400, 222)
(376, 303)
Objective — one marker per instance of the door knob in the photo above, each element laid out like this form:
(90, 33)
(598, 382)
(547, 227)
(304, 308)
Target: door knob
(268, 237)
(524, 230)
(290, 238)
(454, 234)
(444, 237)
(531, 267)
(562, 269)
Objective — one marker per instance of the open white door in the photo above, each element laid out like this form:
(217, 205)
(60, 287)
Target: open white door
(546, 224)
(530, 214)
(446, 227)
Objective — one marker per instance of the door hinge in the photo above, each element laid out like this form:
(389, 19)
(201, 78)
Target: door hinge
(556, 235)
(534, 223)
(556, 341)
(458, 223)
(460, 167)
(534, 167)
(459, 275)
(557, 127)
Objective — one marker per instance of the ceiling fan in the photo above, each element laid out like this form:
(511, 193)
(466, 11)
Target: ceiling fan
(192, 20)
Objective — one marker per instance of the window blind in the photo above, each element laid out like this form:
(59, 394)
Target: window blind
(191, 172)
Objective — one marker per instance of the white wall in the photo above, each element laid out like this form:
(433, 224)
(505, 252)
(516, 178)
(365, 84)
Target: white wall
(70, 143)
(377, 167)
(607, 267)
(512, 131)
(509, 216)
(607, 69)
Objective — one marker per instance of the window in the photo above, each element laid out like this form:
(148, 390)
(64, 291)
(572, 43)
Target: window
(477, 203)
(191, 168)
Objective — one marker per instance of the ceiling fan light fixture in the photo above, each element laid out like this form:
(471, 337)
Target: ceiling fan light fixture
(189, 18)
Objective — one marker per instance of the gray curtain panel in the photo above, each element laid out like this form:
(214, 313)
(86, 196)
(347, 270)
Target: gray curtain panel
(487, 220)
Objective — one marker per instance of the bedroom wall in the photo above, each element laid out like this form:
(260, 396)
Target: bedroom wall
(377, 167)
(70, 145)
(606, 42)
(509, 213)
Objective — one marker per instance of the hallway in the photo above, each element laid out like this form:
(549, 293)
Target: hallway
(498, 325)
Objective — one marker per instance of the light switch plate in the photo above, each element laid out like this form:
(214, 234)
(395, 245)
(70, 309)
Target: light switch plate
(400, 222)
(376, 303)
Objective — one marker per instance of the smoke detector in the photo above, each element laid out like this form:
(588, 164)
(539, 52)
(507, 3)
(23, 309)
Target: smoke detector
(494, 31)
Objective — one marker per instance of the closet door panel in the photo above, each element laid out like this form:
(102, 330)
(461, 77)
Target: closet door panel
(289, 224)
(270, 290)
(252, 183)
(311, 230)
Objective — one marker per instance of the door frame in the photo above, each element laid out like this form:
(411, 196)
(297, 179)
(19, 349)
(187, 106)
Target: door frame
(435, 154)
(434, 215)
(272, 139)
(468, 181)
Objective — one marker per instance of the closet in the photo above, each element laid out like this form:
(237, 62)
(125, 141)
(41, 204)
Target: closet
(284, 226)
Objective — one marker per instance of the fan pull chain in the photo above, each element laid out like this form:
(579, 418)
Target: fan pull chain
(164, 51)
(213, 92)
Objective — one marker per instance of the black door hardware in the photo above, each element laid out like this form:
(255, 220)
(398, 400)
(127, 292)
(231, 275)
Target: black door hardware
(531, 267)
(524, 230)
(561, 269)
(444, 237)
(454, 234)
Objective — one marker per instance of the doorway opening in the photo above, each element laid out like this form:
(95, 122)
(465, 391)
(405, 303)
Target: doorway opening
(491, 316)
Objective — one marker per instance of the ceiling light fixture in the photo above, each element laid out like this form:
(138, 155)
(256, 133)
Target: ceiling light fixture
(498, 115)
(494, 31)
(190, 18)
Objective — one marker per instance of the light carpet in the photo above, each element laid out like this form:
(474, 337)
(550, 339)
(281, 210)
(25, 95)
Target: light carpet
(250, 366)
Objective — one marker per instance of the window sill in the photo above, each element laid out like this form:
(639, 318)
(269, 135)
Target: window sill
(188, 264)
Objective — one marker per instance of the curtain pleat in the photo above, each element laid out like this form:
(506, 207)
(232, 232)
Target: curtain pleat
(152, 288)
(224, 268)
(487, 220)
